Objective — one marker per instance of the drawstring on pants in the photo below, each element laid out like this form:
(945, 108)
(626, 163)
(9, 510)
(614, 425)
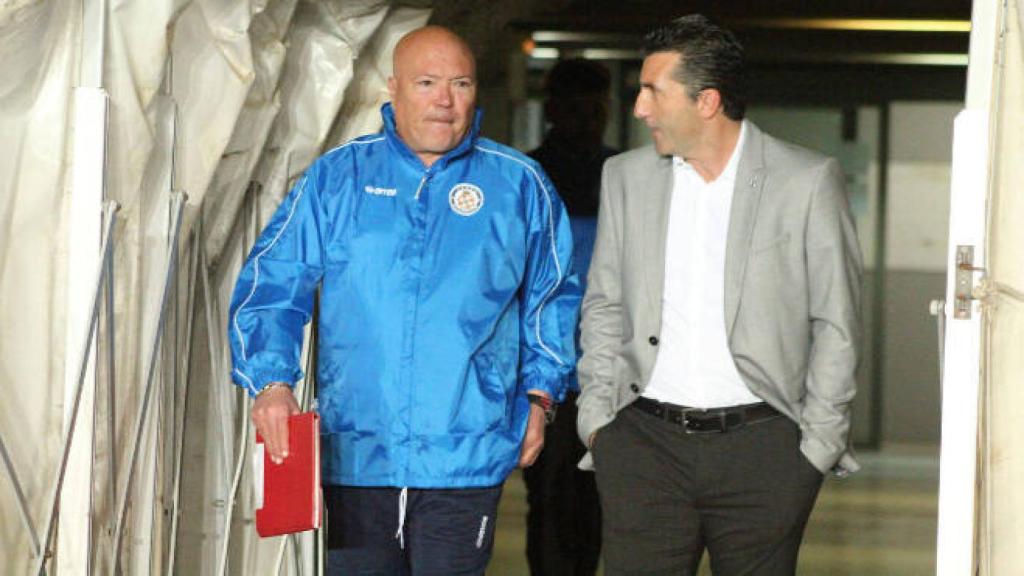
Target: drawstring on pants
(400, 535)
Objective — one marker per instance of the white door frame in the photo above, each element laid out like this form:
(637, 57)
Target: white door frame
(961, 372)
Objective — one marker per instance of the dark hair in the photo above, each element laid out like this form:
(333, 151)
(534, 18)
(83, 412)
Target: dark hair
(711, 57)
(577, 77)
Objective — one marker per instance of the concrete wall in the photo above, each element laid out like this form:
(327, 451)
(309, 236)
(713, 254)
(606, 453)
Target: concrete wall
(920, 143)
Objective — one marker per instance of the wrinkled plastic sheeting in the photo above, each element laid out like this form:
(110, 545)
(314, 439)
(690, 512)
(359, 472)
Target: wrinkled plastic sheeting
(234, 172)
(360, 112)
(320, 87)
(325, 40)
(38, 58)
(213, 69)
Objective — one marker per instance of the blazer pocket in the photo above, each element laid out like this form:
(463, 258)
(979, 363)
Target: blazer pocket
(776, 242)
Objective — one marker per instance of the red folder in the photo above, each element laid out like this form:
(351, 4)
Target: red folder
(288, 494)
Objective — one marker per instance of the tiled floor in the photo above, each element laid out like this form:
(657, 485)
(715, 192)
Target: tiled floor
(878, 522)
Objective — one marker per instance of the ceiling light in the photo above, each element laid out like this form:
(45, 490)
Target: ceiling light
(860, 24)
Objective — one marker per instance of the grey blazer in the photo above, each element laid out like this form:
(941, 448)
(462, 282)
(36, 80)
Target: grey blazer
(792, 290)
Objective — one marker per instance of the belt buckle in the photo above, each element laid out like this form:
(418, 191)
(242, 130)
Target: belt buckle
(694, 426)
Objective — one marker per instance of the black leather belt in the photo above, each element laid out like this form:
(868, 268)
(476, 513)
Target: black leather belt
(696, 421)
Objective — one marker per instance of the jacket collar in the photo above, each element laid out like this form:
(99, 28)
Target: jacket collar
(398, 145)
(751, 176)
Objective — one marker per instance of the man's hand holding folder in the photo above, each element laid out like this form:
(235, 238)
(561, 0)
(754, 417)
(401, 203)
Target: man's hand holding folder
(286, 464)
(270, 412)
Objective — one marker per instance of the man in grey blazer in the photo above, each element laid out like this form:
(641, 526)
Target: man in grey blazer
(720, 327)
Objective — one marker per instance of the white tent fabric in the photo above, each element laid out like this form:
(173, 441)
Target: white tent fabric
(318, 69)
(39, 57)
(212, 98)
(1001, 526)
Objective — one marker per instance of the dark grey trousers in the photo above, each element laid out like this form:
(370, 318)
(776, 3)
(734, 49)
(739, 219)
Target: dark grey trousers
(666, 496)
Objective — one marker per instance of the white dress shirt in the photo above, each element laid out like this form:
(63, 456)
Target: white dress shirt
(694, 366)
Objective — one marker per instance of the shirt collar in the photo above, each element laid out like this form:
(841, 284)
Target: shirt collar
(729, 173)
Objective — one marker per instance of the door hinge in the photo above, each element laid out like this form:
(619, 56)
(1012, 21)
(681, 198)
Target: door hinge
(965, 282)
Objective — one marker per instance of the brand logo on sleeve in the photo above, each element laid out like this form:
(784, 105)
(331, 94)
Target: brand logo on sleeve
(376, 191)
(466, 199)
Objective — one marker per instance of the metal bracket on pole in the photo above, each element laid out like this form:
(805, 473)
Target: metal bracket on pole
(965, 270)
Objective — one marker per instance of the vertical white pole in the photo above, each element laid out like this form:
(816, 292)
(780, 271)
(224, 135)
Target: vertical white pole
(74, 542)
(84, 261)
(958, 468)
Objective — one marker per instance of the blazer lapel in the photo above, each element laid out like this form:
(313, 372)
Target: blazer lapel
(750, 181)
(658, 191)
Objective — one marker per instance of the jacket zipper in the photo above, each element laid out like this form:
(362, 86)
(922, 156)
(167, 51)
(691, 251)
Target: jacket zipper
(420, 188)
(412, 381)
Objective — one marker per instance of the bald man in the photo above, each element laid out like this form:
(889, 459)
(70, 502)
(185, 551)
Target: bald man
(447, 313)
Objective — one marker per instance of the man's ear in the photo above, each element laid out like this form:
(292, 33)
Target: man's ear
(709, 102)
(392, 86)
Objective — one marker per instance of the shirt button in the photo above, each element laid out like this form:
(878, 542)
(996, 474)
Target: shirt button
(653, 340)
(634, 388)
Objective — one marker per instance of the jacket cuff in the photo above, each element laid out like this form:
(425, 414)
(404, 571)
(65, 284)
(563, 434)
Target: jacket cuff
(591, 418)
(253, 383)
(825, 459)
(554, 389)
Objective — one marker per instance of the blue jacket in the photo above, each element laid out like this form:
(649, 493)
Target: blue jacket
(446, 294)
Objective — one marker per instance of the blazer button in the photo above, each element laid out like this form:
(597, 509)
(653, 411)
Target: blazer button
(653, 340)
(634, 388)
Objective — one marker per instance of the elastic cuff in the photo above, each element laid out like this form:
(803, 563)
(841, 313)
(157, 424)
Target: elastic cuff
(556, 392)
(272, 385)
(255, 383)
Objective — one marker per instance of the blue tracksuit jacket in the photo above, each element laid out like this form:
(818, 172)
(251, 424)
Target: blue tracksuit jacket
(446, 294)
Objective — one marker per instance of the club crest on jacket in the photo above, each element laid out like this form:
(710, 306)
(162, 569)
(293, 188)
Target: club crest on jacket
(466, 199)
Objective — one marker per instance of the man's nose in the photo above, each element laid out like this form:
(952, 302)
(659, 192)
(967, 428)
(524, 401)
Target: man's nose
(444, 95)
(640, 106)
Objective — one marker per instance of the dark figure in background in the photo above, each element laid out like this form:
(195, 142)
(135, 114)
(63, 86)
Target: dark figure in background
(563, 525)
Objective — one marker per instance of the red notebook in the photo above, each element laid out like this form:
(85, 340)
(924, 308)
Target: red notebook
(288, 494)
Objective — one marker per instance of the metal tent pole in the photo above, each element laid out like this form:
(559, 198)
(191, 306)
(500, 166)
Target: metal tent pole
(111, 387)
(108, 217)
(178, 200)
(26, 518)
(197, 246)
(243, 438)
